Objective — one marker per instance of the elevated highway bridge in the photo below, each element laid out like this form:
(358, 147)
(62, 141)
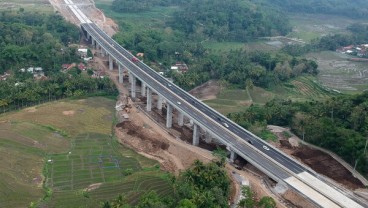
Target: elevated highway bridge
(277, 165)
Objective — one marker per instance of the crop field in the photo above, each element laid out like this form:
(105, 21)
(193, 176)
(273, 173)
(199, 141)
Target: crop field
(337, 72)
(23, 146)
(311, 26)
(42, 6)
(94, 165)
(68, 144)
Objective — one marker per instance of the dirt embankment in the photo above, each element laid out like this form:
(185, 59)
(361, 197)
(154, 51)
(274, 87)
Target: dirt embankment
(207, 91)
(319, 161)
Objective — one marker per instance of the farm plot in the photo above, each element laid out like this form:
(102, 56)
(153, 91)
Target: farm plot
(337, 72)
(22, 149)
(93, 171)
(307, 88)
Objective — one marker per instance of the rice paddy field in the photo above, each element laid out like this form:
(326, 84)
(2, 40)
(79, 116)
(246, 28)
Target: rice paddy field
(63, 154)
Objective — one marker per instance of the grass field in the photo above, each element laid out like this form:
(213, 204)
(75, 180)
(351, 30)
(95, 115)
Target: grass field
(311, 26)
(230, 100)
(42, 6)
(299, 89)
(69, 145)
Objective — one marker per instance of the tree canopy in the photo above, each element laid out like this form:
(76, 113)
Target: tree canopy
(32, 39)
(339, 124)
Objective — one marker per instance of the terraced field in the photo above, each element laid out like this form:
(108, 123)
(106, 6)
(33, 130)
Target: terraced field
(68, 145)
(307, 88)
(94, 165)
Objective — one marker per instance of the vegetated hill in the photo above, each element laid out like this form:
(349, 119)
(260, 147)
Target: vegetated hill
(354, 9)
(230, 20)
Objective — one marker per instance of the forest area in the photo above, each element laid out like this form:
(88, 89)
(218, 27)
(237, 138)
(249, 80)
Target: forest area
(39, 40)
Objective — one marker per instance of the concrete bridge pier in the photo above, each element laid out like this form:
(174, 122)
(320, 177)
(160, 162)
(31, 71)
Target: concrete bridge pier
(208, 137)
(102, 52)
(169, 111)
(232, 155)
(133, 87)
(111, 63)
(93, 43)
(159, 102)
(143, 89)
(180, 119)
(130, 76)
(149, 99)
(121, 75)
(195, 135)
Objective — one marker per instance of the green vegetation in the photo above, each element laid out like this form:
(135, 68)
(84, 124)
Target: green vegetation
(35, 149)
(202, 186)
(40, 6)
(248, 200)
(338, 123)
(32, 39)
(94, 170)
(229, 20)
(354, 9)
(39, 40)
(15, 94)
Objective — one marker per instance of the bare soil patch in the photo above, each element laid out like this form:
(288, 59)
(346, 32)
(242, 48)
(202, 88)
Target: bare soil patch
(206, 91)
(319, 161)
(326, 165)
(68, 113)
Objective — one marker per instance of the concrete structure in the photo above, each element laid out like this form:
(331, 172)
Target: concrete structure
(195, 135)
(143, 89)
(159, 102)
(149, 99)
(169, 111)
(180, 118)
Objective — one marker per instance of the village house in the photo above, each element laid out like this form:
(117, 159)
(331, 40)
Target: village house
(4, 76)
(83, 52)
(36, 71)
(179, 67)
(355, 50)
(98, 74)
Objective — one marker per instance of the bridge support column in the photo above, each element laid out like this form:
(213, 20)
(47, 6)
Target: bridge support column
(232, 156)
(102, 52)
(93, 43)
(149, 99)
(143, 89)
(169, 116)
(208, 137)
(195, 135)
(130, 77)
(133, 87)
(180, 119)
(159, 102)
(111, 63)
(121, 75)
